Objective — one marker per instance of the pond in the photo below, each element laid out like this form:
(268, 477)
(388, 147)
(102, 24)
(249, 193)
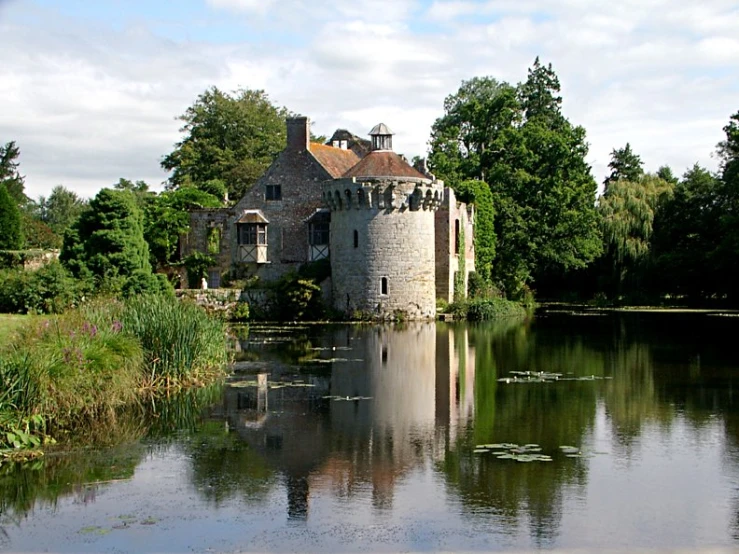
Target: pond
(574, 430)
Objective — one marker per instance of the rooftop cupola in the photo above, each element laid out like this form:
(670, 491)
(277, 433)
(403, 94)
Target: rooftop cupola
(382, 137)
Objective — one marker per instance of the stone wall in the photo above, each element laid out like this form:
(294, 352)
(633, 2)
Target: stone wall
(447, 258)
(382, 237)
(299, 176)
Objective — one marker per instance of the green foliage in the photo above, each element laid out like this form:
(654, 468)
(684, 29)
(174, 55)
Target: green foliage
(197, 265)
(38, 234)
(294, 298)
(686, 235)
(11, 233)
(146, 282)
(484, 309)
(318, 271)
(50, 289)
(10, 178)
(624, 164)
(478, 193)
(60, 210)
(460, 275)
(534, 159)
(228, 138)
(67, 368)
(239, 312)
(627, 212)
(727, 253)
(179, 339)
(166, 218)
(479, 287)
(107, 241)
(71, 370)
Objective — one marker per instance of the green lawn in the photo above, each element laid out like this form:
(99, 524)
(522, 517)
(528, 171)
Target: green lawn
(9, 323)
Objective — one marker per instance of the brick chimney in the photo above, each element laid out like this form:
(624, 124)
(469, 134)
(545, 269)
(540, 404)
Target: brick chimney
(298, 133)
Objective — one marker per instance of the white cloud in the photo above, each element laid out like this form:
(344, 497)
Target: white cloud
(89, 103)
(258, 6)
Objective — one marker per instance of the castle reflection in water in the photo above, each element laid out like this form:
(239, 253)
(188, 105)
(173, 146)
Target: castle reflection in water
(380, 401)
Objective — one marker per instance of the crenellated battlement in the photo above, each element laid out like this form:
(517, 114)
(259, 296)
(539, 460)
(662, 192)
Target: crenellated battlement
(387, 194)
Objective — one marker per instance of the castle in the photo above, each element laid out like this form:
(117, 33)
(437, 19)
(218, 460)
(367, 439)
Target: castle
(394, 235)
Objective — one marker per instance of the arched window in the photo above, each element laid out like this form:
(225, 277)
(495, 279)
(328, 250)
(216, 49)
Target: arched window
(383, 285)
(356, 238)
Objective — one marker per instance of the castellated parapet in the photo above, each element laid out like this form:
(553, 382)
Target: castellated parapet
(382, 245)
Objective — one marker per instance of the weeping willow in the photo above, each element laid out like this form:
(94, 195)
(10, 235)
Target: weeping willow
(627, 217)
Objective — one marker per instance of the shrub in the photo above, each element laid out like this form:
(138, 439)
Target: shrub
(239, 312)
(479, 287)
(486, 309)
(294, 298)
(50, 290)
(197, 265)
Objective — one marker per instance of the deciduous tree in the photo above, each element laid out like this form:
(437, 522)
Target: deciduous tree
(517, 139)
(228, 137)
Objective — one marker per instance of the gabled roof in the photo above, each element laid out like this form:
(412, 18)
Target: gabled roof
(383, 163)
(335, 161)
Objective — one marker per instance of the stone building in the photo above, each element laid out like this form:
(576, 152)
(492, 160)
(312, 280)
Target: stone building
(394, 234)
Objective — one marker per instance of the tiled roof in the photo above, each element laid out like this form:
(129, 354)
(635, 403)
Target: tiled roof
(334, 160)
(383, 163)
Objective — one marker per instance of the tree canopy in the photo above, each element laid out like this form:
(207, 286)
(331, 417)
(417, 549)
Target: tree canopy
(11, 236)
(517, 139)
(624, 164)
(167, 217)
(229, 138)
(9, 175)
(107, 241)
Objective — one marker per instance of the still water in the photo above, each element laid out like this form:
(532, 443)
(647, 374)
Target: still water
(352, 439)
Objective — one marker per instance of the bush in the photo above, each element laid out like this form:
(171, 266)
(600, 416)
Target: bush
(486, 309)
(145, 282)
(294, 298)
(49, 290)
(239, 312)
(197, 265)
(481, 288)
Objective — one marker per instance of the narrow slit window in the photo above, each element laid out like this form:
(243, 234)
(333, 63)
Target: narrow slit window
(456, 236)
(356, 239)
(383, 285)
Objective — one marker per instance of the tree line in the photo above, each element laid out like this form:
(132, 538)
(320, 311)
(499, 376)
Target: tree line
(507, 148)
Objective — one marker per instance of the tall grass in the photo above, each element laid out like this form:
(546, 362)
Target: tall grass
(85, 364)
(180, 341)
(66, 368)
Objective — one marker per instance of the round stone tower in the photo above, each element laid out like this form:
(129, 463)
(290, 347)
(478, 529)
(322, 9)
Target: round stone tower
(382, 235)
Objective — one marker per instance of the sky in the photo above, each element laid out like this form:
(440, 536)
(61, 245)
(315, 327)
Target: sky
(91, 90)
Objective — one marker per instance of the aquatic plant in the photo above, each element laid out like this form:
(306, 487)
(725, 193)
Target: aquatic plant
(179, 340)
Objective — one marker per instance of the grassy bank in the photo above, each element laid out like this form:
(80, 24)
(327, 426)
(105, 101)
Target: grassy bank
(9, 323)
(60, 372)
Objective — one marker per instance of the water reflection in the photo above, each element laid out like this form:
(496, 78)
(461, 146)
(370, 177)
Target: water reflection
(341, 418)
